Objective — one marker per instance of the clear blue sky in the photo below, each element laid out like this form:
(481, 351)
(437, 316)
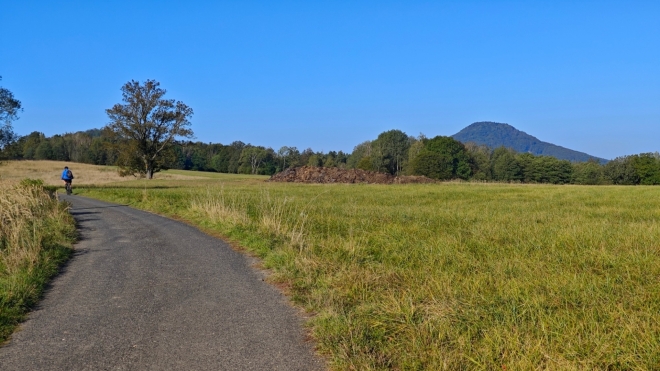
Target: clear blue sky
(332, 74)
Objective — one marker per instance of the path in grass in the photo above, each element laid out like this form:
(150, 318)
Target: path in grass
(145, 292)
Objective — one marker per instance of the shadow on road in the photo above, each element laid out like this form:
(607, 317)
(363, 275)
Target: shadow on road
(76, 213)
(96, 207)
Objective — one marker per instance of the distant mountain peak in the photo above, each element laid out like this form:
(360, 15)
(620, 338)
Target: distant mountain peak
(495, 134)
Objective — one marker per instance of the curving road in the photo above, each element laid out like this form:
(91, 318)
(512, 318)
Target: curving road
(148, 293)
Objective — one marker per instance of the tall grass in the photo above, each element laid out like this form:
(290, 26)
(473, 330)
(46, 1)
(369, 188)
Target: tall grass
(451, 276)
(36, 232)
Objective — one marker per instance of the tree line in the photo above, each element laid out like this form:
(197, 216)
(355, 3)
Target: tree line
(445, 158)
(98, 147)
(148, 133)
(393, 152)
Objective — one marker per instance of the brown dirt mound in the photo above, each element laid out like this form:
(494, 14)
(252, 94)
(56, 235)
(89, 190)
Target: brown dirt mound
(309, 174)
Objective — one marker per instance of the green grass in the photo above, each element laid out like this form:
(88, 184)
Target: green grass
(219, 176)
(449, 276)
(36, 233)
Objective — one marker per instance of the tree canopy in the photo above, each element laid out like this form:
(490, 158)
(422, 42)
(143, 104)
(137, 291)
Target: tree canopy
(442, 158)
(145, 127)
(391, 148)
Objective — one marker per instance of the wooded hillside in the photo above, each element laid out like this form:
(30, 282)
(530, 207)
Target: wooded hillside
(493, 135)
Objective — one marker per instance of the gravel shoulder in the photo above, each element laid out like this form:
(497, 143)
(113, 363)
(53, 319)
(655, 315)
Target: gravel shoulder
(144, 292)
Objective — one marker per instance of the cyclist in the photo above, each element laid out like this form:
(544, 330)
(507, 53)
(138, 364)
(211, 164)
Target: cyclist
(67, 177)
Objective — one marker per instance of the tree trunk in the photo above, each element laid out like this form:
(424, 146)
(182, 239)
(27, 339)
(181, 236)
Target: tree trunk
(253, 162)
(150, 173)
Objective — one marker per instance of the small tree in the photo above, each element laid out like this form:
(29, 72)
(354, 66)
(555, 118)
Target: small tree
(329, 162)
(254, 157)
(9, 109)
(365, 163)
(284, 153)
(146, 126)
(362, 150)
(315, 160)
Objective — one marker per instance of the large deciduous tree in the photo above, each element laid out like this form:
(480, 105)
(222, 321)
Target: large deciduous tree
(391, 150)
(145, 127)
(442, 158)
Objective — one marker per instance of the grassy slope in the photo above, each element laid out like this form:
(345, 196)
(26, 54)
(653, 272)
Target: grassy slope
(50, 172)
(450, 276)
(36, 233)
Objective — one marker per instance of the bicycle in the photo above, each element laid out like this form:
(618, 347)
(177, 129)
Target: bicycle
(67, 186)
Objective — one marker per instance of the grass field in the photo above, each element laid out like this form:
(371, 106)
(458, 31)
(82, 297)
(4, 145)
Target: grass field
(451, 276)
(50, 172)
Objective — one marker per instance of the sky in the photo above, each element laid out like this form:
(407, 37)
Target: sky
(329, 75)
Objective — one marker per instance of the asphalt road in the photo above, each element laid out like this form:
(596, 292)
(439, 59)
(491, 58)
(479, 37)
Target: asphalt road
(143, 292)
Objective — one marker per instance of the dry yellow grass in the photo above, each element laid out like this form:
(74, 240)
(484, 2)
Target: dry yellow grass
(50, 172)
(20, 208)
(35, 236)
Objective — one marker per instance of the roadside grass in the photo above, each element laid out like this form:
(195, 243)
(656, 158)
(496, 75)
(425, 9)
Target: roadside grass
(36, 233)
(452, 276)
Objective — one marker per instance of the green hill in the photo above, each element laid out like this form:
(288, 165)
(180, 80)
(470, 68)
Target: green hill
(494, 135)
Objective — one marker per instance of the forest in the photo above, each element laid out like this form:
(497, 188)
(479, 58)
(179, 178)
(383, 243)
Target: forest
(393, 152)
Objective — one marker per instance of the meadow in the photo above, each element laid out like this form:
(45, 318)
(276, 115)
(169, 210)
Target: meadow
(454, 276)
(50, 172)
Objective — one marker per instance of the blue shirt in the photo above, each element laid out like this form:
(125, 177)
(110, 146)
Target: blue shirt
(64, 177)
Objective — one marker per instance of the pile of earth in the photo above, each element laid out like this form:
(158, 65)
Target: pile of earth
(311, 174)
